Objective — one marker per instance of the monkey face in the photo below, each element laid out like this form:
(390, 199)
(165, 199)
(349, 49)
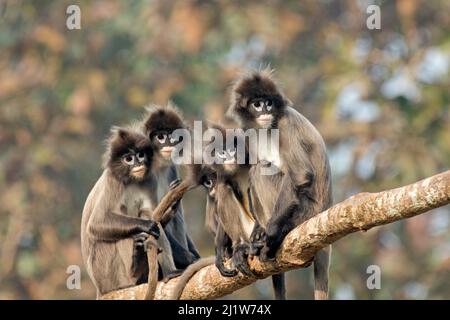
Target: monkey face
(159, 126)
(130, 156)
(136, 160)
(262, 111)
(228, 159)
(164, 141)
(257, 100)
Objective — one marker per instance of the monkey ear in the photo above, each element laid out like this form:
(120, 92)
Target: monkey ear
(120, 132)
(241, 102)
(287, 102)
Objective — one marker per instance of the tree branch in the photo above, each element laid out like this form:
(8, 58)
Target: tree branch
(360, 212)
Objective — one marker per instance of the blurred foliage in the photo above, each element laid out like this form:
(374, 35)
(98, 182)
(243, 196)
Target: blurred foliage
(380, 98)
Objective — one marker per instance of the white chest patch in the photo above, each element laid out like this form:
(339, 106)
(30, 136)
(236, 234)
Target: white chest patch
(136, 199)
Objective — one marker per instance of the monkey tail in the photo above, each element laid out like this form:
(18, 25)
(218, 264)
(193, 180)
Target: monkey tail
(188, 274)
(279, 286)
(321, 267)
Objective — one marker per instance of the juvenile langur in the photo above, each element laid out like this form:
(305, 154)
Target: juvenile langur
(206, 176)
(302, 186)
(117, 216)
(229, 213)
(159, 125)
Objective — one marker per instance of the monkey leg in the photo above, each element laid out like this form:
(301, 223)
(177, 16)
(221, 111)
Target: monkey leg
(181, 255)
(276, 231)
(222, 243)
(257, 239)
(165, 259)
(139, 255)
(172, 274)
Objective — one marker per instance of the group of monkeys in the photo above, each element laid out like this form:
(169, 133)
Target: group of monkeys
(248, 212)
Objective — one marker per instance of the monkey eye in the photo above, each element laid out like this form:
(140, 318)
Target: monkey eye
(222, 154)
(161, 138)
(257, 105)
(269, 104)
(140, 156)
(231, 152)
(208, 183)
(128, 159)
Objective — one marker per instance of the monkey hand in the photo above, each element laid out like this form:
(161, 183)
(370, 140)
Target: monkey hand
(172, 274)
(139, 239)
(257, 240)
(152, 228)
(240, 259)
(222, 269)
(151, 243)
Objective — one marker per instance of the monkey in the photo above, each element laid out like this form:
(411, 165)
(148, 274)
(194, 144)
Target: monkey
(228, 212)
(302, 186)
(206, 176)
(158, 125)
(117, 216)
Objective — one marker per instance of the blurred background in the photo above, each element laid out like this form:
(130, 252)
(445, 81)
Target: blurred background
(380, 98)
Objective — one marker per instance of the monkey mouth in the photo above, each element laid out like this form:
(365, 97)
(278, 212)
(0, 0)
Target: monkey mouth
(138, 172)
(166, 151)
(230, 165)
(264, 119)
(229, 162)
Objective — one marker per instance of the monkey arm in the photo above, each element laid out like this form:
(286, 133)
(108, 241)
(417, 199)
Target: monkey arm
(112, 226)
(223, 246)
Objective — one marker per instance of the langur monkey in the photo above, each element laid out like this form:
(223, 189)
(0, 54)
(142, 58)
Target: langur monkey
(302, 186)
(158, 125)
(117, 216)
(228, 211)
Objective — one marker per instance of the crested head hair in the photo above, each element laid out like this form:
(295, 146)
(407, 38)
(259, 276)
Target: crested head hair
(158, 118)
(255, 84)
(119, 143)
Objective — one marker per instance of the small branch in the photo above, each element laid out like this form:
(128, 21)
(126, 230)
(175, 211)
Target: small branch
(360, 212)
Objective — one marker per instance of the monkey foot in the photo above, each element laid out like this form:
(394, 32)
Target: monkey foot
(267, 255)
(171, 275)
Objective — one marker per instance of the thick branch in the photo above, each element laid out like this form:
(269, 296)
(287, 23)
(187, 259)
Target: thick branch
(360, 212)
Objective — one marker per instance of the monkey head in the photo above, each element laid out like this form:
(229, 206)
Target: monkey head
(257, 101)
(226, 157)
(159, 126)
(206, 176)
(129, 155)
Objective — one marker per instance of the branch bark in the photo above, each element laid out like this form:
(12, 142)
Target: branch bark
(358, 213)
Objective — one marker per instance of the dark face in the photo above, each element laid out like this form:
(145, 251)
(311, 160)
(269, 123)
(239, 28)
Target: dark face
(160, 126)
(257, 101)
(227, 158)
(131, 156)
(262, 111)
